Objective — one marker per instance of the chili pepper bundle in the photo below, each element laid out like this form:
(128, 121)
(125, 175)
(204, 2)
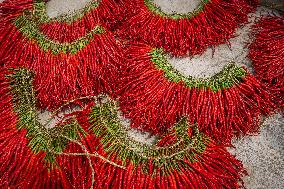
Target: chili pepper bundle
(86, 66)
(10, 9)
(33, 156)
(154, 93)
(210, 24)
(28, 149)
(191, 161)
(31, 150)
(267, 54)
(68, 28)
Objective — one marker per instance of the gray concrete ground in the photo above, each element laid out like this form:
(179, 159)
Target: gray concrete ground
(262, 155)
(275, 4)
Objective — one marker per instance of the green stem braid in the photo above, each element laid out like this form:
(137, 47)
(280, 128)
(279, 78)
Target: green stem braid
(228, 77)
(41, 13)
(41, 139)
(116, 141)
(158, 11)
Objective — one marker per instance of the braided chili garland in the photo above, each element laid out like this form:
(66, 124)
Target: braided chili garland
(67, 28)
(212, 23)
(25, 144)
(33, 156)
(183, 158)
(155, 95)
(267, 54)
(10, 9)
(86, 66)
(30, 151)
(197, 162)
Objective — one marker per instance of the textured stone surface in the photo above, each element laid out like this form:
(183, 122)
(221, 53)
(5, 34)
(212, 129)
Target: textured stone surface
(180, 6)
(262, 155)
(276, 4)
(61, 7)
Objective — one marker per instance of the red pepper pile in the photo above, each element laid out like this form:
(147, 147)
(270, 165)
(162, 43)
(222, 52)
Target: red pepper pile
(217, 169)
(155, 103)
(19, 166)
(10, 9)
(76, 58)
(108, 13)
(213, 26)
(91, 70)
(205, 172)
(267, 54)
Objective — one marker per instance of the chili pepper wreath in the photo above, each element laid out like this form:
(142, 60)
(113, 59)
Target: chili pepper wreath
(267, 54)
(67, 28)
(227, 104)
(212, 23)
(81, 152)
(31, 151)
(25, 144)
(85, 66)
(182, 158)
